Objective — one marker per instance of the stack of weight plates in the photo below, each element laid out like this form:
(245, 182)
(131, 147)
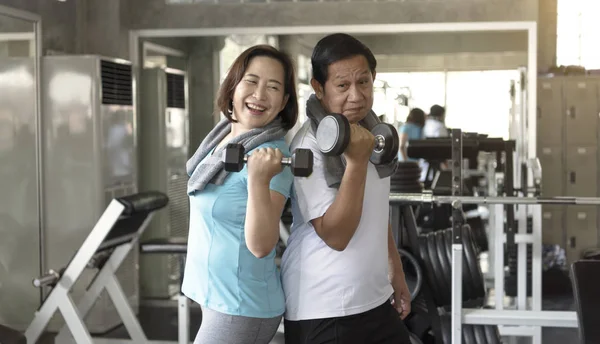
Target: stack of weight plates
(406, 178)
(479, 235)
(471, 334)
(435, 249)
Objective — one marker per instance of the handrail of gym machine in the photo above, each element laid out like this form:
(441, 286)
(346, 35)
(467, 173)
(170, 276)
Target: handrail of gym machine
(505, 317)
(428, 197)
(441, 148)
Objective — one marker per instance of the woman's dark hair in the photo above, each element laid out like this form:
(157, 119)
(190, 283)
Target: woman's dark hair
(416, 116)
(336, 47)
(289, 114)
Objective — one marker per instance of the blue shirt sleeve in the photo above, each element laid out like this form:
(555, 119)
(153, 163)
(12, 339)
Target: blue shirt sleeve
(281, 182)
(412, 131)
(403, 129)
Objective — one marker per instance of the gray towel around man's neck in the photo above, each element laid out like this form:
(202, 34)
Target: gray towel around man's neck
(336, 165)
(211, 169)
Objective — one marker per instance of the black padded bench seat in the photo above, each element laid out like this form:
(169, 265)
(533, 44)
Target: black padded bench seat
(175, 245)
(10, 336)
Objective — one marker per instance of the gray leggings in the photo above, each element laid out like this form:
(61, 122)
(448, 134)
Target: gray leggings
(219, 328)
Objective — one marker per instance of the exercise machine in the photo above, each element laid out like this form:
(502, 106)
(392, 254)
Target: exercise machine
(107, 245)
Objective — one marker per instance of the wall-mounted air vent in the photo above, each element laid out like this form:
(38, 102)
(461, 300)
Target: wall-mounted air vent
(175, 91)
(116, 83)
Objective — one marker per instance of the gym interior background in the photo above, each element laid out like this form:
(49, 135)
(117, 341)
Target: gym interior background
(54, 152)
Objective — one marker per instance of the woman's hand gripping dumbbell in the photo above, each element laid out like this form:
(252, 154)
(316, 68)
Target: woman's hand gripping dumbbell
(301, 161)
(334, 132)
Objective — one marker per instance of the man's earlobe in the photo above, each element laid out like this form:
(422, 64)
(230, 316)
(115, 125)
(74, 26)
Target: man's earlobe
(317, 88)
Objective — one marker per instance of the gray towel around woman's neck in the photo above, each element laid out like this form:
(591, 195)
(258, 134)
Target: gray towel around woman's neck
(211, 169)
(336, 165)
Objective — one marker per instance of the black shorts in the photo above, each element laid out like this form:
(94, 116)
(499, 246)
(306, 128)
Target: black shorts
(381, 325)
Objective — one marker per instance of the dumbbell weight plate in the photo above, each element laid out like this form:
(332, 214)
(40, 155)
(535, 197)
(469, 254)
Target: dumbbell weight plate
(471, 264)
(492, 334)
(441, 249)
(333, 134)
(479, 234)
(479, 332)
(392, 143)
(234, 157)
(302, 162)
(438, 272)
(470, 292)
(469, 335)
(429, 270)
(468, 286)
(446, 329)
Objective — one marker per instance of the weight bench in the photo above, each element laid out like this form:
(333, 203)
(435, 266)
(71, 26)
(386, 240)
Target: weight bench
(105, 248)
(174, 246)
(585, 278)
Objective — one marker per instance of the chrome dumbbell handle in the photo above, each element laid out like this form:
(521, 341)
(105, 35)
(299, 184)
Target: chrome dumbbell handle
(284, 161)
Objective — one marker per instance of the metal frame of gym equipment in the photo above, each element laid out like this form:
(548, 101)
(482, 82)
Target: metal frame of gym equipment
(509, 150)
(519, 318)
(110, 241)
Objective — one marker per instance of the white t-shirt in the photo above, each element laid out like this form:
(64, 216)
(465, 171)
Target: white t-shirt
(434, 128)
(318, 281)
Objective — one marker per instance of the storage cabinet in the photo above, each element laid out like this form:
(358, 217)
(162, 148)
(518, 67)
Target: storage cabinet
(568, 131)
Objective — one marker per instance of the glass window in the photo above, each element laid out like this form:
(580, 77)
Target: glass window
(479, 101)
(578, 33)
(423, 90)
(475, 101)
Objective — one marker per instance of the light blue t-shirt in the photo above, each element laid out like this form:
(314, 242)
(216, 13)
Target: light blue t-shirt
(414, 132)
(220, 272)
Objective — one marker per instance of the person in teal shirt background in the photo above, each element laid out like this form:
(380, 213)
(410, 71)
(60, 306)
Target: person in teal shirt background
(411, 130)
(230, 268)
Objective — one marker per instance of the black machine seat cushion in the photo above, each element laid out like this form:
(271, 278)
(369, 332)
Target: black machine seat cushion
(146, 201)
(176, 245)
(10, 336)
(586, 284)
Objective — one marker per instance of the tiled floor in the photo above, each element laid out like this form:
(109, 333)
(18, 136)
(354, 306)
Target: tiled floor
(160, 323)
(159, 319)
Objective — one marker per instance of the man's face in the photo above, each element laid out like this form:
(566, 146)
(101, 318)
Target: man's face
(348, 89)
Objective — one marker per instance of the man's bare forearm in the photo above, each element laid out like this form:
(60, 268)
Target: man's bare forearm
(341, 220)
(394, 261)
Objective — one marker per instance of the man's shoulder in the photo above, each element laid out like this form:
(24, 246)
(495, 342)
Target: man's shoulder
(304, 138)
